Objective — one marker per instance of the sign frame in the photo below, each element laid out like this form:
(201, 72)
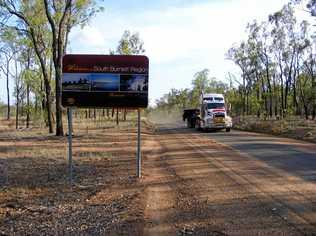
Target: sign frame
(99, 81)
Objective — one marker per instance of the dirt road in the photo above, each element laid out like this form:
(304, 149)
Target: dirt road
(211, 184)
(193, 183)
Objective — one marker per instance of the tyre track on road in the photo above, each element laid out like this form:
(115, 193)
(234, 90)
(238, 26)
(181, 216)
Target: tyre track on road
(197, 208)
(160, 196)
(208, 194)
(299, 221)
(184, 204)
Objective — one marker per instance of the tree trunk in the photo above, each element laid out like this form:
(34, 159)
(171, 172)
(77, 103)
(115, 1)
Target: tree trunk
(17, 91)
(117, 116)
(264, 98)
(27, 106)
(22, 106)
(125, 112)
(313, 97)
(270, 104)
(48, 104)
(17, 111)
(247, 102)
(270, 97)
(17, 103)
(282, 98)
(244, 97)
(46, 81)
(306, 111)
(59, 114)
(305, 106)
(258, 99)
(275, 97)
(58, 45)
(285, 96)
(28, 92)
(8, 96)
(35, 105)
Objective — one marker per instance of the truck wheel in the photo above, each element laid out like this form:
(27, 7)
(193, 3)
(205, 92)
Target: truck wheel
(198, 124)
(227, 129)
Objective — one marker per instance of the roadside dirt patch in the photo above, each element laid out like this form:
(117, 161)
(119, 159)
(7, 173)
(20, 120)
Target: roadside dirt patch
(36, 197)
(160, 196)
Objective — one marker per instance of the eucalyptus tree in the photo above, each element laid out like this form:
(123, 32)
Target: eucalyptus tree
(267, 69)
(21, 63)
(282, 33)
(311, 9)
(7, 52)
(27, 17)
(306, 81)
(256, 66)
(216, 86)
(183, 98)
(18, 88)
(48, 24)
(130, 44)
(238, 54)
(62, 17)
(200, 84)
(27, 58)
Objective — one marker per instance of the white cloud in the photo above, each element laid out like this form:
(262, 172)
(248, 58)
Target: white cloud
(92, 35)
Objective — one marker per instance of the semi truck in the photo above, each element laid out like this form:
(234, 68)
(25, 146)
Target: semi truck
(212, 114)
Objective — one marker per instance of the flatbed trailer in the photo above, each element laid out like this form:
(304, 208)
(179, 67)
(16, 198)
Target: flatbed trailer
(191, 116)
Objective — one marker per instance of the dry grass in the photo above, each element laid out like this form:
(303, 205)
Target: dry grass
(36, 197)
(293, 127)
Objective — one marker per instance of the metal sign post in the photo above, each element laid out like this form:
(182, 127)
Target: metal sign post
(69, 114)
(139, 157)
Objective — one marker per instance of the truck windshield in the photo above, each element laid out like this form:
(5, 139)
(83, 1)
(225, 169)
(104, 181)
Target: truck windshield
(215, 105)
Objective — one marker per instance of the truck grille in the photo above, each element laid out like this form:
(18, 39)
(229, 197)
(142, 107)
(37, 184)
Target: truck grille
(219, 115)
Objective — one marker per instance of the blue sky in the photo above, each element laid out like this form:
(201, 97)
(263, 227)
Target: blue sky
(181, 37)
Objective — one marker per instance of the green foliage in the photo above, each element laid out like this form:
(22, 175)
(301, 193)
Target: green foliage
(177, 100)
(40, 28)
(271, 61)
(130, 44)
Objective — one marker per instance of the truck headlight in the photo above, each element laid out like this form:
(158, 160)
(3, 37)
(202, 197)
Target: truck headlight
(228, 119)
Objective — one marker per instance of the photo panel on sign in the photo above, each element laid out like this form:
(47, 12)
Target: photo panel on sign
(76, 81)
(105, 82)
(134, 83)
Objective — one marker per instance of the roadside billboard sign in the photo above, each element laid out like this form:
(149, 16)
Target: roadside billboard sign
(105, 81)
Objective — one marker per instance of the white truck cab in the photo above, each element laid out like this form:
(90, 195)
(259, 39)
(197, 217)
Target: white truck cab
(213, 113)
